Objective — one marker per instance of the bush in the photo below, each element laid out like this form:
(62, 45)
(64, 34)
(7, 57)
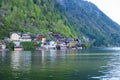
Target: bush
(10, 46)
(28, 45)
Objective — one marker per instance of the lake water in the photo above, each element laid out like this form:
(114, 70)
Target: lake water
(89, 64)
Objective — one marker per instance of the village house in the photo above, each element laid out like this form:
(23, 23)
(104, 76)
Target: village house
(25, 38)
(44, 43)
(17, 38)
(40, 38)
(49, 45)
(14, 37)
(2, 46)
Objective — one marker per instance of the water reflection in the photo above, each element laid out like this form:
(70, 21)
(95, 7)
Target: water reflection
(39, 57)
(111, 71)
(3, 54)
(50, 56)
(21, 60)
(20, 63)
(58, 56)
(91, 64)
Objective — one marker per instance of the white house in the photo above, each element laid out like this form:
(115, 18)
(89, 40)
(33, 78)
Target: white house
(25, 38)
(50, 45)
(20, 37)
(14, 37)
(17, 38)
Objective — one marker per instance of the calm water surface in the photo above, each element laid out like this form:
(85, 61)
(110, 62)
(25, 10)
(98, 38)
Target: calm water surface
(90, 64)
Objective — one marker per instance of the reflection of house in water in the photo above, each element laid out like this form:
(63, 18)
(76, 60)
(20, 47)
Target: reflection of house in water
(56, 55)
(52, 55)
(2, 51)
(39, 57)
(3, 56)
(21, 60)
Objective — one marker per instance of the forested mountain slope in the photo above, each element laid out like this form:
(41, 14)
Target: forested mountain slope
(88, 20)
(35, 16)
(71, 18)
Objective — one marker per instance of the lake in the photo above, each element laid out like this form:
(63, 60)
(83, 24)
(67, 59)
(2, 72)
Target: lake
(89, 64)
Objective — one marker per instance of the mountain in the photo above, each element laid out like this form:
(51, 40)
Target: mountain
(35, 16)
(71, 18)
(88, 21)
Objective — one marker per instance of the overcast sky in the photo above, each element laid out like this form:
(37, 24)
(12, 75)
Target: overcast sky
(110, 8)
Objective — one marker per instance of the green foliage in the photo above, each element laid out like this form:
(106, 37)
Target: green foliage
(35, 16)
(10, 46)
(28, 45)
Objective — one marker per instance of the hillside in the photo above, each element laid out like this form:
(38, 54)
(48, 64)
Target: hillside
(35, 16)
(88, 21)
(71, 18)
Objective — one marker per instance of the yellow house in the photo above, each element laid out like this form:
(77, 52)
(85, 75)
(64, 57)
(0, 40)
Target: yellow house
(72, 43)
(43, 39)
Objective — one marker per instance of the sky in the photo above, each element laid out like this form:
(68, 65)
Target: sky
(110, 8)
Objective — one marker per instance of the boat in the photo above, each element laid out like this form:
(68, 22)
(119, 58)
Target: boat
(18, 48)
